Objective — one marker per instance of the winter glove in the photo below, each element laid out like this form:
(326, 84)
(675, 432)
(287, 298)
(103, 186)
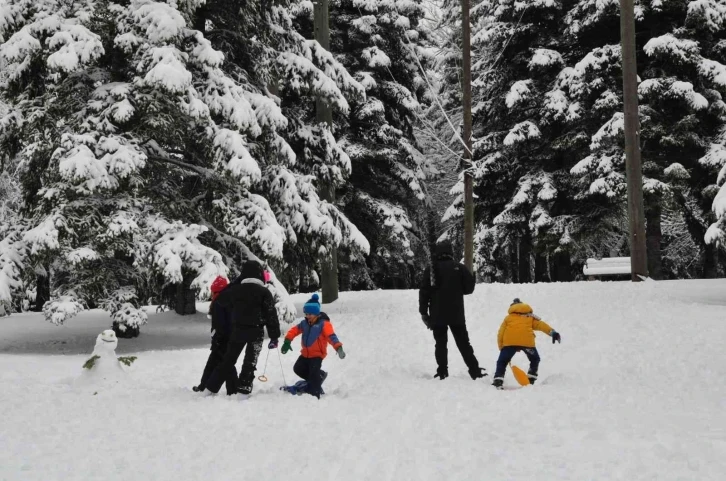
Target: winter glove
(273, 344)
(286, 346)
(341, 352)
(426, 320)
(555, 336)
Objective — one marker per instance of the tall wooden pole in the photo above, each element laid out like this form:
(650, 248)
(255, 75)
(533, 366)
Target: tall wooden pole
(468, 179)
(636, 215)
(323, 113)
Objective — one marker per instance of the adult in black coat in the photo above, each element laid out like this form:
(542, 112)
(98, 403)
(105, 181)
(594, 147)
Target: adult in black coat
(251, 308)
(441, 305)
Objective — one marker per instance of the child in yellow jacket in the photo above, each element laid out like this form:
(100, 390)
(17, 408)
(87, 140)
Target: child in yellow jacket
(517, 334)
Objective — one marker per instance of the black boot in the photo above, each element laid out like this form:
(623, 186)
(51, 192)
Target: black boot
(199, 388)
(441, 374)
(498, 383)
(244, 384)
(477, 373)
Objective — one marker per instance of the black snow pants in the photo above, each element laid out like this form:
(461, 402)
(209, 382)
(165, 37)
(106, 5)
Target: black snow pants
(461, 338)
(216, 354)
(308, 368)
(226, 371)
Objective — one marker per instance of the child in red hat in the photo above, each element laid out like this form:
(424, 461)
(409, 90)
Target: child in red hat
(220, 332)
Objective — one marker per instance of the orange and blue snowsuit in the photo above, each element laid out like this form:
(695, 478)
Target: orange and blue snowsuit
(316, 336)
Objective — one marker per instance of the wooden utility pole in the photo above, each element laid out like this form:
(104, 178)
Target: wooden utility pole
(468, 179)
(323, 113)
(636, 215)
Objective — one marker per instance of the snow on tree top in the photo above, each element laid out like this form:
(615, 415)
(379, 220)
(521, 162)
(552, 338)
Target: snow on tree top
(233, 154)
(714, 71)
(590, 12)
(76, 46)
(522, 132)
(367, 80)
(203, 53)
(708, 14)
(369, 5)
(167, 69)
(519, 92)
(719, 203)
(376, 57)
(716, 155)
(612, 129)
(162, 23)
(81, 254)
(544, 57)
(653, 186)
(714, 234)
(672, 88)
(676, 48)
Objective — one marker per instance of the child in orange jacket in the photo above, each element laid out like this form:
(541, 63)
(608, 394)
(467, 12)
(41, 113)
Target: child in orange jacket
(317, 332)
(517, 334)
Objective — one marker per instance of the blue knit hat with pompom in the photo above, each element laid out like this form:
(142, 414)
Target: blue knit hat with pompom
(312, 306)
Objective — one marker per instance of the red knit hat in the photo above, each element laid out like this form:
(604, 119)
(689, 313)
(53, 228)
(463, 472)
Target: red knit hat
(218, 284)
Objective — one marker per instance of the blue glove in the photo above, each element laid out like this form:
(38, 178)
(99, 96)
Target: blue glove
(556, 336)
(341, 353)
(273, 344)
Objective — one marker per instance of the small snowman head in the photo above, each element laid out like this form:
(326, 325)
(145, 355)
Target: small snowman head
(106, 341)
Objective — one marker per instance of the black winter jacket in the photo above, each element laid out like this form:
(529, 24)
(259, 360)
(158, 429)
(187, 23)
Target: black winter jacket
(221, 320)
(445, 302)
(250, 304)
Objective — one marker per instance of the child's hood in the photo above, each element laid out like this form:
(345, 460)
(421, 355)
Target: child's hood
(520, 308)
(322, 317)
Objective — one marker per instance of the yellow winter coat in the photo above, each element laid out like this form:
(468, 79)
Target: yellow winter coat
(518, 327)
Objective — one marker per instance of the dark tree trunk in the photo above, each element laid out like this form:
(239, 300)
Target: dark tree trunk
(525, 254)
(540, 268)
(698, 231)
(710, 261)
(561, 267)
(653, 238)
(513, 266)
(200, 19)
(344, 270)
(42, 290)
(185, 298)
(501, 263)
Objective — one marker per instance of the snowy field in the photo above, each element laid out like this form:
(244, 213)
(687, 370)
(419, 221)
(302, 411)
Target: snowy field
(636, 391)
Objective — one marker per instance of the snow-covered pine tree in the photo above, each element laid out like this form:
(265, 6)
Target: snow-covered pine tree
(144, 155)
(716, 156)
(438, 129)
(525, 140)
(681, 88)
(265, 48)
(381, 44)
(11, 247)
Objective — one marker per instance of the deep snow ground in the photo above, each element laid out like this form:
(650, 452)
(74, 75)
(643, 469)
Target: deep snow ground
(636, 391)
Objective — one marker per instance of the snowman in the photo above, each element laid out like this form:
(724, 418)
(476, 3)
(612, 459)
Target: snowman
(103, 365)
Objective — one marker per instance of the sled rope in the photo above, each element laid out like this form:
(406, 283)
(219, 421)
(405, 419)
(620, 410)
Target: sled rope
(263, 378)
(279, 358)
